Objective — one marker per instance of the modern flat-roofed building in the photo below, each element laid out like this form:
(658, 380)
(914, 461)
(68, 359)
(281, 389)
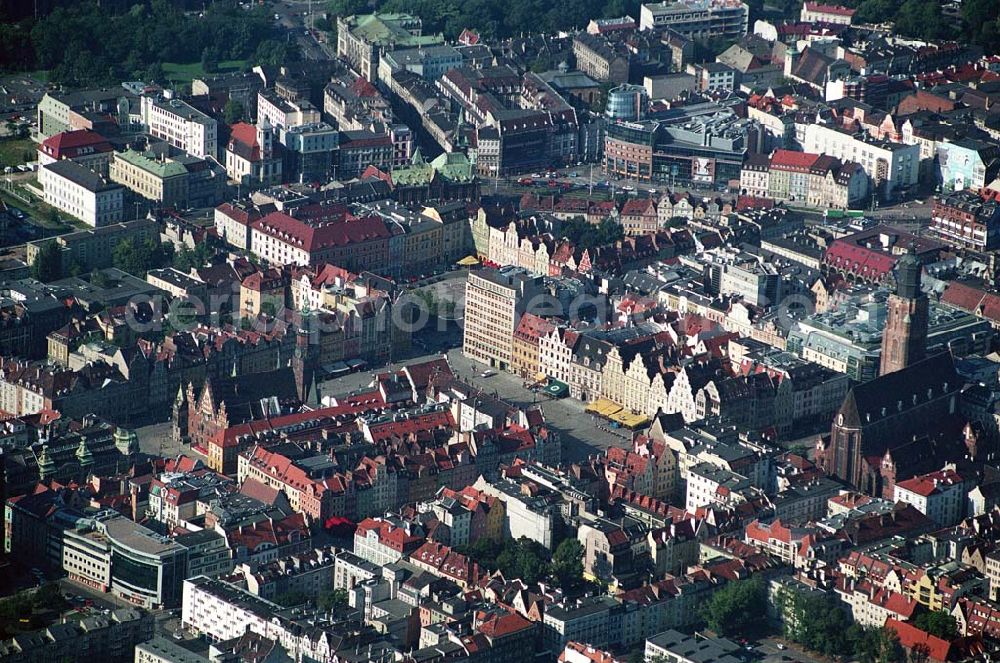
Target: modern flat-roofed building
(182, 125)
(162, 650)
(282, 113)
(113, 553)
(91, 249)
(494, 304)
(309, 152)
(697, 19)
(69, 111)
(82, 193)
(677, 647)
(705, 143)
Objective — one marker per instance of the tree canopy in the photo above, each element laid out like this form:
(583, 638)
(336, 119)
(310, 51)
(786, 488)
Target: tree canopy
(938, 623)
(139, 259)
(818, 623)
(529, 560)
(878, 645)
(738, 608)
(587, 235)
(48, 263)
(84, 43)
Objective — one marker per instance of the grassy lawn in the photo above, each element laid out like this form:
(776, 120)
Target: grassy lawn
(185, 73)
(13, 151)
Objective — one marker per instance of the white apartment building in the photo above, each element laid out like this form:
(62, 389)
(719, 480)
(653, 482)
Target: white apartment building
(533, 517)
(82, 193)
(350, 570)
(708, 484)
(222, 611)
(87, 558)
(697, 19)
(584, 620)
(891, 166)
(282, 113)
(939, 495)
(384, 541)
(815, 12)
(233, 225)
(182, 125)
(494, 304)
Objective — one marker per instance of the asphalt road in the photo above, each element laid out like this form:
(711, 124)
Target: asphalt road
(296, 17)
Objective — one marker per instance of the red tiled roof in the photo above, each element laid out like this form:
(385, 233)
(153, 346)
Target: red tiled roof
(532, 327)
(636, 207)
(790, 160)
(927, 484)
(871, 265)
(973, 300)
(836, 10)
(909, 636)
(313, 238)
(69, 143)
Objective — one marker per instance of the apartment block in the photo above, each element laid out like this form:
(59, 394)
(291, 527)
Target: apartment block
(494, 304)
(697, 19)
(181, 125)
(82, 193)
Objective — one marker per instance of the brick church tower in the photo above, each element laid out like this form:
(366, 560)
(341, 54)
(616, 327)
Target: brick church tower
(304, 365)
(904, 341)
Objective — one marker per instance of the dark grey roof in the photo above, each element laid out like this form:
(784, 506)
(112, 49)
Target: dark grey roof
(934, 375)
(81, 175)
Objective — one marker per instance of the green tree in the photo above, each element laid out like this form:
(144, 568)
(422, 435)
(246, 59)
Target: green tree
(817, 622)
(289, 599)
(99, 279)
(233, 111)
(139, 259)
(738, 608)
(878, 645)
(939, 623)
(332, 599)
(48, 263)
(567, 564)
(209, 61)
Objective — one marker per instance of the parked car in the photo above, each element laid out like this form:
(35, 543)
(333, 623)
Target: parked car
(488, 373)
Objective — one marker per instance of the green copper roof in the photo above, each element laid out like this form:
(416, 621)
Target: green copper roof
(413, 175)
(454, 166)
(385, 29)
(150, 164)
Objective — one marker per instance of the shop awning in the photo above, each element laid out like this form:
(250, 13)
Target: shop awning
(556, 388)
(604, 407)
(629, 419)
(468, 261)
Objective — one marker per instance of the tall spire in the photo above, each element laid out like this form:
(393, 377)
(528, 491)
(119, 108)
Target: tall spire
(46, 466)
